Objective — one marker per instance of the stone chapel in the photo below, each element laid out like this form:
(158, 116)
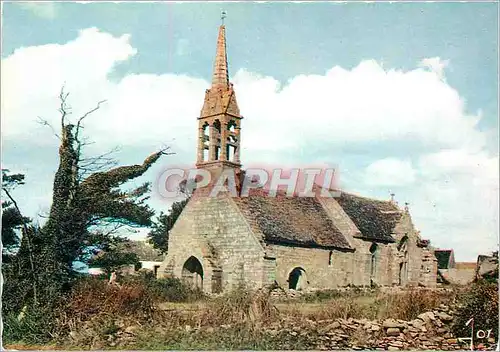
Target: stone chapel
(220, 243)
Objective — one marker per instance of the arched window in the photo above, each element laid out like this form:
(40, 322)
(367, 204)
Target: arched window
(217, 136)
(231, 126)
(206, 141)
(403, 264)
(373, 262)
(232, 141)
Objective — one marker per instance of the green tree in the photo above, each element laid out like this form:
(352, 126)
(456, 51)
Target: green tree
(161, 227)
(113, 260)
(88, 199)
(12, 219)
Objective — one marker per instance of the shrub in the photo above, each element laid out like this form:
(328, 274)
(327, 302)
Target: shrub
(167, 289)
(35, 325)
(480, 302)
(93, 296)
(240, 306)
(321, 295)
(173, 290)
(344, 307)
(408, 305)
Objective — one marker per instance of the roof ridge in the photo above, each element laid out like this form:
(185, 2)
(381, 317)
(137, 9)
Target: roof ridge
(368, 198)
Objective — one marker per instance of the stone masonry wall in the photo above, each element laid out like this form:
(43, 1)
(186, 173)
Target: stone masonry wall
(315, 263)
(325, 270)
(215, 232)
(421, 268)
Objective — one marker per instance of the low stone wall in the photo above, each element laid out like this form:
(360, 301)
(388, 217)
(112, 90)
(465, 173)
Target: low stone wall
(286, 294)
(430, 331)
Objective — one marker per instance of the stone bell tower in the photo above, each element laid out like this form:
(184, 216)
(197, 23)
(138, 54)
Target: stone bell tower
(219, 123)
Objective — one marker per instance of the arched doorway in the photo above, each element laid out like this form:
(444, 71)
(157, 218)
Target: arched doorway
(192, 273)
(297, 279)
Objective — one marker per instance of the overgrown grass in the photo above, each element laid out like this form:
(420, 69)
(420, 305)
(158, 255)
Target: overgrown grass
(479, 302)
(409, 304)
(168, 289)
(238, 307)
(34, 325)
(92, 307)
(321, 296)
(405, 305)
(98, 315)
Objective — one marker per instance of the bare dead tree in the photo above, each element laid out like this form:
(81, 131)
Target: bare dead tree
(87, 194)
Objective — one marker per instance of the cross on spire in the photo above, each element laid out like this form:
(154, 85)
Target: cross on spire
(220, 77)
(223, 15)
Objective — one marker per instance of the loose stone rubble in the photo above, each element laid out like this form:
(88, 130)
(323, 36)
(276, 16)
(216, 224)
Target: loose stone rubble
(429, 331)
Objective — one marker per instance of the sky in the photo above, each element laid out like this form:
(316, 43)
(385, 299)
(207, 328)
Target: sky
(401, 98)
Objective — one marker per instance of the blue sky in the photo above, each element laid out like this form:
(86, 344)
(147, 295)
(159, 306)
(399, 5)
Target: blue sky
(402, 97)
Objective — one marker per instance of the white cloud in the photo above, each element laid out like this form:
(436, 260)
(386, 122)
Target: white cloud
(436, 65)
(46, 10)
(340, 108)
(458, 199)
(390, 172)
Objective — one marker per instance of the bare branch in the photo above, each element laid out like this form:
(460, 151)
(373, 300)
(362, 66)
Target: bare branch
(64, 109)
(78, 124)
(97, 163)
(90, 112)
(44, 122)
(81, 144)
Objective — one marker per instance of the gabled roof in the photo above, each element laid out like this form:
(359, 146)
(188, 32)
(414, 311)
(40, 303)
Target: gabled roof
(443, 257)
(145, 251)
(220, 101)
(375, 219)
(298, 221)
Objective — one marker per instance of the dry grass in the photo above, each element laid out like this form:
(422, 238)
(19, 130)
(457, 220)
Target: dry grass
(405, 305)
(238, 307)
(93, 296)
(23, 347)
(408, 305)
(343, 307)
(95, 313)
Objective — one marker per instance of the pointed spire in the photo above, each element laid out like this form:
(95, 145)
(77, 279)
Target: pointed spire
(220, 76)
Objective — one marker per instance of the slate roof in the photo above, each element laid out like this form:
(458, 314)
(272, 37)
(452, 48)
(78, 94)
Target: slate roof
(145, 251)
(291, 220)
(375, 219)
(443, 257)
